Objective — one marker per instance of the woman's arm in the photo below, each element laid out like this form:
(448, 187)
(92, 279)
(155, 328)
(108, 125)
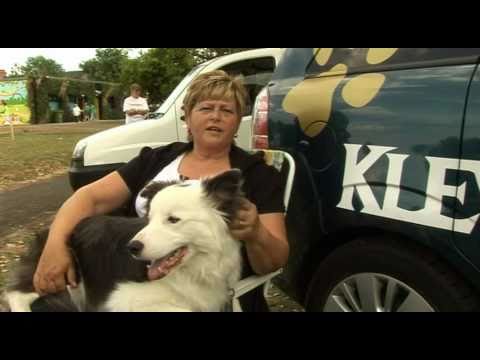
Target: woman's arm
(55, 267)
(265, 238)
(99, 197)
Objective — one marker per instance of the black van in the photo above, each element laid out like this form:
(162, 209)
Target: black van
(384, 213)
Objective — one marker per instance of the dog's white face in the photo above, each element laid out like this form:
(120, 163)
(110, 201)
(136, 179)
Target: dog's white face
(187, 220)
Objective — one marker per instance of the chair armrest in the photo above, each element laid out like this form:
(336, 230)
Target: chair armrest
(252, 282)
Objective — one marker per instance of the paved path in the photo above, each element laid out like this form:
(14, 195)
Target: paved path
(28, 204)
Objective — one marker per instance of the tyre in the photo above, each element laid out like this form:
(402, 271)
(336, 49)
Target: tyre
(387, 275)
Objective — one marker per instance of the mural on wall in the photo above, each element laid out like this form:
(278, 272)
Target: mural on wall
(14, 102)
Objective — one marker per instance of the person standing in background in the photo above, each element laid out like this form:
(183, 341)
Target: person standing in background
(93, 112)
(86, 111)
(76, 112)
(135, 107)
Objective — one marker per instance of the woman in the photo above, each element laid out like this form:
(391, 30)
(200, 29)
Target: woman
(76, 112)
(213, 107)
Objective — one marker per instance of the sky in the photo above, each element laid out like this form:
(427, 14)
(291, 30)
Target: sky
(69, 58)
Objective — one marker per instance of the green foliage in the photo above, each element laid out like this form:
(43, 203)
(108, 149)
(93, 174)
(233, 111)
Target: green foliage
(15, 101)
(41, 92)
(106, 65)
(158, 71)
(38, 66)
(112, 107)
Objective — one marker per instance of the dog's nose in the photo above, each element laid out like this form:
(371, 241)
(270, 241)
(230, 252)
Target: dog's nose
(135, 247)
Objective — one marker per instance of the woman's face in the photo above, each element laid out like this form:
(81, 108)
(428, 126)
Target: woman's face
(135, 93)
(214, 123)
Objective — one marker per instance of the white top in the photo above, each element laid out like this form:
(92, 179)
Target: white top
(132, 103)
(168, 173)
(76, 110)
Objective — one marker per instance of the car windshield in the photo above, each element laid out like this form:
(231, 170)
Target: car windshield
(178, 90)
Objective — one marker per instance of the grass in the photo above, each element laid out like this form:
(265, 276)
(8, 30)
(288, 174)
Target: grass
(39, 151)
(11, 249)
(32, 155)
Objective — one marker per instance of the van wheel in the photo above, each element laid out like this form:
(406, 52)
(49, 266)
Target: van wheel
(387, 275)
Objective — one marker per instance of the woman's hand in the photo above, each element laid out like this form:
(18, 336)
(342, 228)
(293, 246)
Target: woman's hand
(55, 270)
(246, 223)
(55, 267)
(264, 236)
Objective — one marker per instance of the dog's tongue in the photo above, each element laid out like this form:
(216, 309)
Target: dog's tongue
(161, 267)
(155, 273)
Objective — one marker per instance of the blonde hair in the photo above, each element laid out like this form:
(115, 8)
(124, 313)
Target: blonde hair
(216, 85)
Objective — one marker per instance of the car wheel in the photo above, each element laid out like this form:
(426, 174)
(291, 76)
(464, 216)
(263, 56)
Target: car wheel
(387, 275)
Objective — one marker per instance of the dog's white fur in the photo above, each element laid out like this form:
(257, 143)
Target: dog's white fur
(203, 279)
(208, 271)
(19, 301)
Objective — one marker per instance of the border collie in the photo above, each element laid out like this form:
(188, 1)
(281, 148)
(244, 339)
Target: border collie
(181, 257)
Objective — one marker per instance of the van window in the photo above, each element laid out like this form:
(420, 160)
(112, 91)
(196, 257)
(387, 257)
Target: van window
(383, 59)
(256, 74)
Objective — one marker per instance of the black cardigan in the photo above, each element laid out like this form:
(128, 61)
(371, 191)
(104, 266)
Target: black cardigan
(262, 185)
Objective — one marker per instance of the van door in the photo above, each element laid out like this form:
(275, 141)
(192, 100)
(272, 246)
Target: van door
(382, 130)
(467, 221)
(256, 73)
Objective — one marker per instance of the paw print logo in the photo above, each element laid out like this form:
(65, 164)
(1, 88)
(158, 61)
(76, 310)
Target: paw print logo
(311, 100)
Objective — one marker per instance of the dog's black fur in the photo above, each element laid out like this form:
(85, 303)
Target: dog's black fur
(104, 236)
(152, 189)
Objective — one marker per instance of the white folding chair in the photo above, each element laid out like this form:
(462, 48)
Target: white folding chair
(277, 159)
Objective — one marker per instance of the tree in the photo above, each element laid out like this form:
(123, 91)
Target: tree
(107, 64)
(38, 66)
(158, 71)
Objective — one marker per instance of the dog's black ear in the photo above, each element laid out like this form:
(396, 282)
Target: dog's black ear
(152, 189)
(226, 191)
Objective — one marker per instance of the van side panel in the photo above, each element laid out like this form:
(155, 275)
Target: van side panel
(395, 167)
(121, 144)
(383, 151)
(469, 179)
